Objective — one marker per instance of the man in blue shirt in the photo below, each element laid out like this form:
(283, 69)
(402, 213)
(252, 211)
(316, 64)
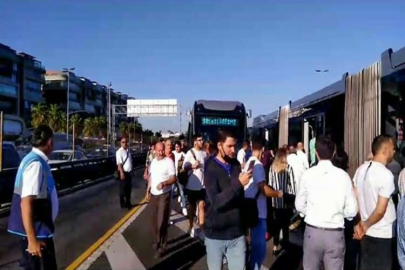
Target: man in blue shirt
(35, 204)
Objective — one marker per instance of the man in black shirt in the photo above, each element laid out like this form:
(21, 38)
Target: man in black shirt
(224, 183)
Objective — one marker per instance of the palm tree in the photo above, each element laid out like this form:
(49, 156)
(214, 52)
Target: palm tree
(101, 123)
(132, 129)
(77, 122)
(148, 132)
(138, 127)
(123, 128)
(90, 127)
(39, 115)
(56, 118)
(158, 134)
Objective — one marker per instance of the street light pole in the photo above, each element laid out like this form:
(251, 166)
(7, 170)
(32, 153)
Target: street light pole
(109, 115)
(67, 100)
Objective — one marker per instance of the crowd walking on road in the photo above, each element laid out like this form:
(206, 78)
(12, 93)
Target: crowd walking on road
(234, 207)
(239, 200)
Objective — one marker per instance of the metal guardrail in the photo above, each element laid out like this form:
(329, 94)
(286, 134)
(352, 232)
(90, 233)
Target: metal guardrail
(68, 175)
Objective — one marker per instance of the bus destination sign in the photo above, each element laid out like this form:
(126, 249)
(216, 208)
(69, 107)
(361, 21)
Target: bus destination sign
(219, 121)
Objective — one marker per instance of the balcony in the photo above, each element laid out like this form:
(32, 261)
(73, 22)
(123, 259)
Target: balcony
(89, 108)
(38, 65)
(74, 106)
(8, 90)
(32, 95)
(34, 75)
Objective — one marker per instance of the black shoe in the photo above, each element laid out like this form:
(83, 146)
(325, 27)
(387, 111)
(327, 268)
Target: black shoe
(162, 252)
(129, 206)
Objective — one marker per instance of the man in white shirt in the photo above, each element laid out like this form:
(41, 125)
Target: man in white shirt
(195, 189)
(326, 197)
(375, 186)
(258, 189)
(34, 185)
(124, 163)
(302, 156)
(179, 157)
(296, 163)
(162, 177)
(241, 157)
(401, 184)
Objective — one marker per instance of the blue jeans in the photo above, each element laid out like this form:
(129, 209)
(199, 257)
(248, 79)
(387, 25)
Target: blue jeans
(258, 244)
(234, 250)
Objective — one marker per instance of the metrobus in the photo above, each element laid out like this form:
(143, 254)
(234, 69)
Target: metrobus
(207, 117)
(353, 110)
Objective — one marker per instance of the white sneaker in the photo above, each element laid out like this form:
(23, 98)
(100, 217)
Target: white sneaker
(179, 199)
(192, 233)
(185, 211)
(171, 222)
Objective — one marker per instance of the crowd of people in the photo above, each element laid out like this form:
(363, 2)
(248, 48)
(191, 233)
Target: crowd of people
(240, 200)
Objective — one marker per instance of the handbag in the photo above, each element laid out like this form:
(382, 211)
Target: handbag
(117, 174)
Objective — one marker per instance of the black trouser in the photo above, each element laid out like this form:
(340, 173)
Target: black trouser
(125, 190)
(352, 246)
(160, 207)
(193, 198)
(281, 222)
(376, 253)
(46, 262)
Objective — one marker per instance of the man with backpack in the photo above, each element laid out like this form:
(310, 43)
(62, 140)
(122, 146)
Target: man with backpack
(195, 189)
(257, 190)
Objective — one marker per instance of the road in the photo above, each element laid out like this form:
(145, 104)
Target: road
(86, 215)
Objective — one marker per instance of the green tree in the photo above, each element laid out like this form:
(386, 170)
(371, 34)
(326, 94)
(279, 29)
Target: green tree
(138, 127)
(77, 121)
(158, 134)
(101, 123)
(56, 118)
(148, 132)
(123, 128)
(39, 115)
(132, 130)
(90, 127)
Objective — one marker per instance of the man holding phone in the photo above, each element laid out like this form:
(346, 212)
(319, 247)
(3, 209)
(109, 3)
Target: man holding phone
(162, 177)
(257, 188)
(224, 182)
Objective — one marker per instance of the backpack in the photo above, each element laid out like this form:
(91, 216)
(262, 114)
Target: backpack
(182, 174)
(250, 211)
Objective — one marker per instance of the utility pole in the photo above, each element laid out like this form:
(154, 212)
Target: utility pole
(68, 70)
(109, 117)
(73, 142)
(180, 119)
(1, 139)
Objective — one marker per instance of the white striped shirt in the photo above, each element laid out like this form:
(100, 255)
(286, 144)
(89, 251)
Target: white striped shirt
(284, 181)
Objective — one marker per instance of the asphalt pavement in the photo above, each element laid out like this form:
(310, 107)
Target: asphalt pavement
(84, 217)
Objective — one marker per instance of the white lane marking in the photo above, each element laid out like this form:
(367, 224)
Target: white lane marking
(121, 256)
(86, 265)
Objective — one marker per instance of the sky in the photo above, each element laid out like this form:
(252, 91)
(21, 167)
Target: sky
(262, 53)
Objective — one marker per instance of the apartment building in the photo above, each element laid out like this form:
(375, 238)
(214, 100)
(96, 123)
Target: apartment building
(21, 80)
